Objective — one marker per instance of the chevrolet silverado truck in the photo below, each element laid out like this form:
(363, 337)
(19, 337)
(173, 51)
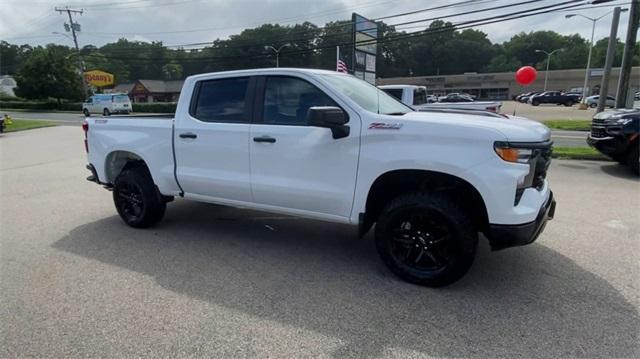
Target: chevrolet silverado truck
(416, 97)
(328, 146)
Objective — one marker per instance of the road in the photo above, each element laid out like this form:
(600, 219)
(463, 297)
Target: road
(211, 281)
(560, 138)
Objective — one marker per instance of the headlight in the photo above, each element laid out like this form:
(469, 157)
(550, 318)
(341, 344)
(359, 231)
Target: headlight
(510, 154)
(623, 121)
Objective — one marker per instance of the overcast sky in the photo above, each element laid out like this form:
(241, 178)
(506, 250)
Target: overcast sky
(188, 21)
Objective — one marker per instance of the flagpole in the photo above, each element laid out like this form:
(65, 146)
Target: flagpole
(337, 56)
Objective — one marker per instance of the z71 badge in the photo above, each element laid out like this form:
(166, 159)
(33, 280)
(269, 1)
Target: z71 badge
(385, 126)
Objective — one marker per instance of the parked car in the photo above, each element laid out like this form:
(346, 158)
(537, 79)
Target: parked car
(455, 97)
(524, 98)
(107, 104)
(553, 97)
(616, 134)
(330, 146)
(408, 94)
(592, 101)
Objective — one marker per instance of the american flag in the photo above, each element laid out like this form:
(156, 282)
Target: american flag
(341, 66)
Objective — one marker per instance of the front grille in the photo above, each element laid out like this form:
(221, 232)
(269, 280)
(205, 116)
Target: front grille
(538, 166)
(598, 132)
(541, 157)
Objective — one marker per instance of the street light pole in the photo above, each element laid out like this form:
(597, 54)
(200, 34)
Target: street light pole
(546, 73)
(277, 51)
(593, 30)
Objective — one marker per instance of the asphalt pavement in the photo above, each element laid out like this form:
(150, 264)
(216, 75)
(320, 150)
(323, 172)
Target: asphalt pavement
(560, 138)
(212, 281)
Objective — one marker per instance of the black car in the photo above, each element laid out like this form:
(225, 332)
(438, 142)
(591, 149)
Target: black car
(554, 97)
(615, 134)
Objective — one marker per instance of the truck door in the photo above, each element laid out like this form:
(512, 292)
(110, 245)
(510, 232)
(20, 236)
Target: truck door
(212, 141)
(294, 165)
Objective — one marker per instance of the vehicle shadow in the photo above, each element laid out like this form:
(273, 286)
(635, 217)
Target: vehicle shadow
(524, 302)
(620, 171)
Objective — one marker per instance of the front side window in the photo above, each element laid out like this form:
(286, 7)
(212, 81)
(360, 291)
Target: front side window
(288, 99)
(222, 100)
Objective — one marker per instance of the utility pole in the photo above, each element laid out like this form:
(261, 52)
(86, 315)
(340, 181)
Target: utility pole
(546, 73)
(74, 26)
(604, 85)
(622, 94)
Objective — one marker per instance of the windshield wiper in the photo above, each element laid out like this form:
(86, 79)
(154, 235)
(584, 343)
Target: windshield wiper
(396, 113)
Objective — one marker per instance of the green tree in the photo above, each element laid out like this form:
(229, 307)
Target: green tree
(172, 71)
(49, 72)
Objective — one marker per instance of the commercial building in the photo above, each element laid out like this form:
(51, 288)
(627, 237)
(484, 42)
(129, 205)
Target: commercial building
(503, 86)
(151, 90)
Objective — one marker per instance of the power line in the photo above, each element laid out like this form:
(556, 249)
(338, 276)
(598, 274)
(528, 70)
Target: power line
(459, 26)
(350, 23)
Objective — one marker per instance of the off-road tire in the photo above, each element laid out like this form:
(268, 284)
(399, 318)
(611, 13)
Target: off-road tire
(137, 199)
(459, 246)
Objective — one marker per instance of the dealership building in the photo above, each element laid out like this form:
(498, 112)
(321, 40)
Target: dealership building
(503, 86)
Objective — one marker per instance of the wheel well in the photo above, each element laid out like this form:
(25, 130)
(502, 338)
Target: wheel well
(392, 184)
(117, 161)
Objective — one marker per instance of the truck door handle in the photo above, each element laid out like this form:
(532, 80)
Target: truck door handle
(264, 139)
(188, 135)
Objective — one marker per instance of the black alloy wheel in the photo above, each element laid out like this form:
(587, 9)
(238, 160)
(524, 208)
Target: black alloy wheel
(129, 202)
(426, 238)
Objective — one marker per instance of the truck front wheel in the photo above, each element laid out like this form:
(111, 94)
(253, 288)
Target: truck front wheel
(136, 199)
(426, 238)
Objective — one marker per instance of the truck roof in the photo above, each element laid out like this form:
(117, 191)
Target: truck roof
(268, 71)
(399, 86)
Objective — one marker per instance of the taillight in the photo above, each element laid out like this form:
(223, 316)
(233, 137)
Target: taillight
(85, 128)
(492, 109)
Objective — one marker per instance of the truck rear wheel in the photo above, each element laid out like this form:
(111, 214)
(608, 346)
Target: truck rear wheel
(86, 113)
(106, 112)
(136, 198)
(426, 238)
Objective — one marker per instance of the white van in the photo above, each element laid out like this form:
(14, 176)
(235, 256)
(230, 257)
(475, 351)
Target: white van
(106, 104)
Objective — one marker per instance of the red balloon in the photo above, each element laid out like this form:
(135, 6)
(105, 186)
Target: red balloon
(526, 75)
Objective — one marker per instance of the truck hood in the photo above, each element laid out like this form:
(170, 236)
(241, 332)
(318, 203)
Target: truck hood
(513, 128)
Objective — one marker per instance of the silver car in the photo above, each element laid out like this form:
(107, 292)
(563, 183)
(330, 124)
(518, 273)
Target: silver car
(592, 101)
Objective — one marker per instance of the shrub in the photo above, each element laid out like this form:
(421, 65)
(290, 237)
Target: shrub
(155, 107)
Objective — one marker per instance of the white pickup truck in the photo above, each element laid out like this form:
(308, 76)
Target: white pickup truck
(416, 97)
(326, 145)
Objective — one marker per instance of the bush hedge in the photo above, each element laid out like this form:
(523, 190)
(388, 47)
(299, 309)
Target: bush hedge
(156, 107)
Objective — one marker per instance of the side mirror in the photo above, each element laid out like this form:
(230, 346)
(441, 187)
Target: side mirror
(330, 117)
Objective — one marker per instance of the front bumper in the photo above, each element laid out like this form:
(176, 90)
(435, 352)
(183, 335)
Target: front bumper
(610, 146)
(504, 236)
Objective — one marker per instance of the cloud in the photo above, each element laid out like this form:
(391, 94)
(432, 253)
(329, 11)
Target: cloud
(188, 21)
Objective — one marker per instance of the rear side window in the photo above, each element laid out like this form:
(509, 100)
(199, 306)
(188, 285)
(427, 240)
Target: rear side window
(419, 96)
(396, 93)
(120, 99)
(221, 100)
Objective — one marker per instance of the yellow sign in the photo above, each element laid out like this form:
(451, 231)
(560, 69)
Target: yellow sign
(98, 78)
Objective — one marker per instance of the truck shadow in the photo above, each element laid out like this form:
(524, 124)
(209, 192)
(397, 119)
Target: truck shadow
(530, 301)
(620, 171)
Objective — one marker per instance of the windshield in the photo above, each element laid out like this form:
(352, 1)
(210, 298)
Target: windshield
(121, 98)
(366, 95)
